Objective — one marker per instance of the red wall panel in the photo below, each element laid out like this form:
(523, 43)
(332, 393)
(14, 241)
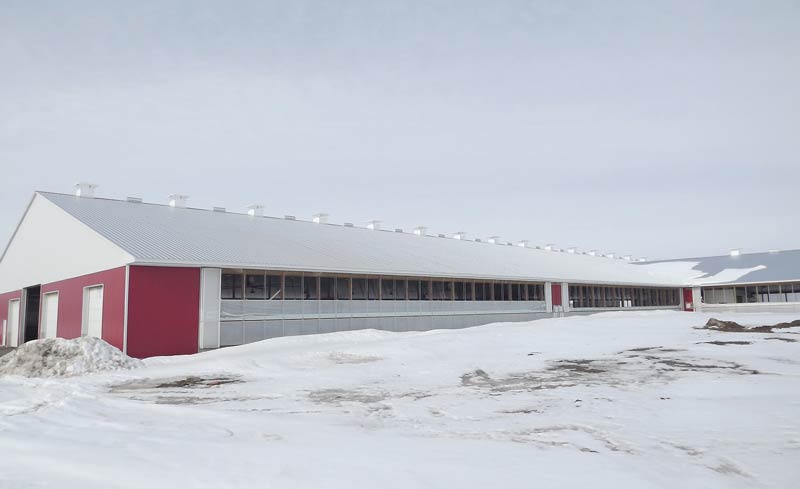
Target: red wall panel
(688, 300)
(163, 311)
(70, 304)
(4, 298)
(555, 290)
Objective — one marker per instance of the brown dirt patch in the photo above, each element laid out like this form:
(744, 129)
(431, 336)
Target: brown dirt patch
(788, 340)
(190, 382)
(734, 327)
(723, 343)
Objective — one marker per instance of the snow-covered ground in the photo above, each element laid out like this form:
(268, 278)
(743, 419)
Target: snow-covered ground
(622, 400)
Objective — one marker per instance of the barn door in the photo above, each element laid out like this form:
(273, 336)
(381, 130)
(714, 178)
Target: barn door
(92, 324)
(555, 290)
(12, 327)
(688, 304)
(50, 315)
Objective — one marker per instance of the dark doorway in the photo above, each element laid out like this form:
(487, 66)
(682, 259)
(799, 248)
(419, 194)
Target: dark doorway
(32, 298)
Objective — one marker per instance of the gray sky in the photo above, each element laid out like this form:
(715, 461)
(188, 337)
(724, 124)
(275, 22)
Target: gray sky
(663, 129)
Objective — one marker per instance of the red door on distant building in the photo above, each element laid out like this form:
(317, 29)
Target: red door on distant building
(555, 291)
(688, 300)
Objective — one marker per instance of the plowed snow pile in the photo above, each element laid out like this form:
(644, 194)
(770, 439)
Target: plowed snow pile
(58, 357)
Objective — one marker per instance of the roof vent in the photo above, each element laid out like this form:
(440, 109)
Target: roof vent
(348, 225)
(644, 258)
(255, 210)
(398, 230)
(420, 230)
(478, 240)
(178, 200)
(549, 246)
(218, 209)
(627, 257)
(374, 225)
(523, 243)
(572, 250)
(493, 239)
(289, 218)
(775, 250)
(610, 255)
(320, 218)
(442, 236)
(735, 252)
(83, 189)
(134, 200)
(592, 253)
(459, 235)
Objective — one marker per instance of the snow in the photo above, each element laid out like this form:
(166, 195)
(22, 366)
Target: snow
(59, 357)
(624, 400)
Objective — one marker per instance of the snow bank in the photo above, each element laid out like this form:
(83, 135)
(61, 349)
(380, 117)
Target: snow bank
(58, 357)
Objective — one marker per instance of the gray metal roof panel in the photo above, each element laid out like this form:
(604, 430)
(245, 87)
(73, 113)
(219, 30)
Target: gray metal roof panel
(155, 233)
(774, 266)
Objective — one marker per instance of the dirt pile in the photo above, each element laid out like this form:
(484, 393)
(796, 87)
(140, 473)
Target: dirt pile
(734, 327)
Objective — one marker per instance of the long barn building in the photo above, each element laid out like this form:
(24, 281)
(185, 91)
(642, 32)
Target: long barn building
(169, 279)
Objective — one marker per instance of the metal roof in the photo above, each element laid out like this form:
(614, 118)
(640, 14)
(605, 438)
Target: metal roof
(773, 266)
(160, 234)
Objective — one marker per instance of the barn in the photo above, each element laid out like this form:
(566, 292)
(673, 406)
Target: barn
(739, 282)
(167, 279)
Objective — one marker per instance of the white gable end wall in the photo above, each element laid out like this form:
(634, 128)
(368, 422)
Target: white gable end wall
(50, 244)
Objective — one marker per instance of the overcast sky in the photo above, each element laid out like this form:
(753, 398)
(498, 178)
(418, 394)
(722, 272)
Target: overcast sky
(659, 129)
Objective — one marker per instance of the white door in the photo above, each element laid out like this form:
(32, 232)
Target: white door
(13, 322)
(50, 315)
(92, 324)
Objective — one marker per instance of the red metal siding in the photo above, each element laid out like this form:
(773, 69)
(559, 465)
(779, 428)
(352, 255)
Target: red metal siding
(688, 300)
(70, 304)
(555, 290)
(4, 298)
(163, 311)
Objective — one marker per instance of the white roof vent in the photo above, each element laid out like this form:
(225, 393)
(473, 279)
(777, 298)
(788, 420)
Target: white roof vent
(178, 200)
(83, 189)
(549, 247)
(459, 235)
(592, 253)
(627, 257)
(420, 230)
(134, 200)
(572, 250)
(523, 243)
(775, 250)
(735, 252)
(374, 225)
(610, 255)
(320, 218)
(255, 210)
(644, 258)
(493, 239)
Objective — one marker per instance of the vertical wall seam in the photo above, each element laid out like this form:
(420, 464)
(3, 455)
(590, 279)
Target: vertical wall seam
(125, 314)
